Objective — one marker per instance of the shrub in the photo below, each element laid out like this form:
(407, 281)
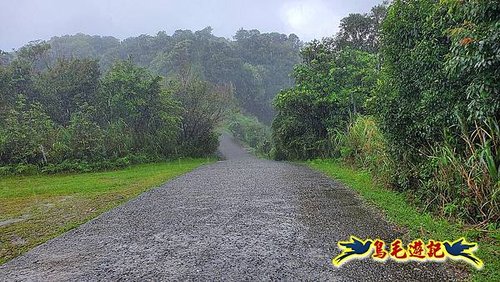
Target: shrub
(251, 132)
(204, 107)
(118, 138)
(364, 145)
(86, 136)
(27, 134)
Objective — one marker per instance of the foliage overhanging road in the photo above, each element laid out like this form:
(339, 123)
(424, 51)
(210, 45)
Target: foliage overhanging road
(238, 219)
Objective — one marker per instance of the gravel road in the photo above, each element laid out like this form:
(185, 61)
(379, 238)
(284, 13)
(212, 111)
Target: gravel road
(238, 219)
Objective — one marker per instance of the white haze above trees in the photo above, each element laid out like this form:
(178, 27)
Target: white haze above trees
(22, 21)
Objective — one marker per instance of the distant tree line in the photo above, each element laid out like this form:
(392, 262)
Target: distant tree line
(256, 64)
(409, 91)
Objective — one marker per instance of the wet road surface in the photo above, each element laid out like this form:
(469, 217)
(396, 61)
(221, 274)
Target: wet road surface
(238, 219)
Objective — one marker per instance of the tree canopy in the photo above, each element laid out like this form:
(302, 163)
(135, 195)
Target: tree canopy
(258, 65)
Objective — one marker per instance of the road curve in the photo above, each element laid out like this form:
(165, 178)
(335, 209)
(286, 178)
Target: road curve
(238, 219)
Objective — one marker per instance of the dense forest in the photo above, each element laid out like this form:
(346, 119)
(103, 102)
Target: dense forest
(257, 65)
(414, 98)
(88, 102)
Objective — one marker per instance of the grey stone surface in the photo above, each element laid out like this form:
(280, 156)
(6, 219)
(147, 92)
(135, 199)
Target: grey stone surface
(235, 220)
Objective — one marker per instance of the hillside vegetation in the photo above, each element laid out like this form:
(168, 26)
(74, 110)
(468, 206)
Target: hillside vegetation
(413, 97)
(85, 103)
(257, 65)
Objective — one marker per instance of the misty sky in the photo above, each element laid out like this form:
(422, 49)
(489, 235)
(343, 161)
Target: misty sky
(25, 20)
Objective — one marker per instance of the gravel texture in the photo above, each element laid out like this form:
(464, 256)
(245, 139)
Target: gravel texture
(238, 219)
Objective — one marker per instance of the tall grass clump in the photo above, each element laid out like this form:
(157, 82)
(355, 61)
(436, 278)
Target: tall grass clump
(460, 179)
(466, 182)
(365, 146)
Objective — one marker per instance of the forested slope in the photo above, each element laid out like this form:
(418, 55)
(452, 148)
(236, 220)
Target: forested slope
(256, 64)
(81, 102)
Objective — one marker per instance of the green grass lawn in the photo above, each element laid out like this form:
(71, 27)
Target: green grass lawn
(417, 224)
(34, 209)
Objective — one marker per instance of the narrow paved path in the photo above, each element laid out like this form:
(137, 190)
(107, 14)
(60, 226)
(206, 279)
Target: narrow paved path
(238, 219)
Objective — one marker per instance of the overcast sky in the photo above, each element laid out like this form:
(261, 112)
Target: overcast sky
(25, 20)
